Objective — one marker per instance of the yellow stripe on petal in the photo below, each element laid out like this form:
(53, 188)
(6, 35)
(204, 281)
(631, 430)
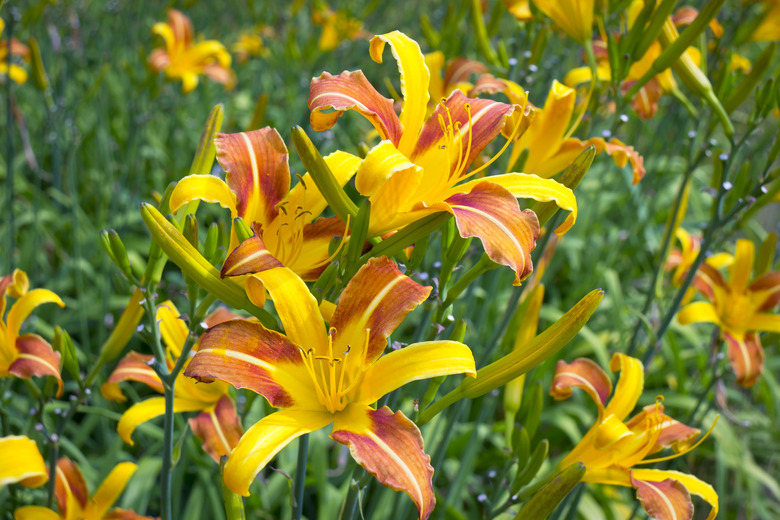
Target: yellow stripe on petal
(35, 513)
(24, 306)
(418, 361)
(110, 490)
(629, 386)
(264, 440)
(206, 188)
(22, 462)
(146, 410)
(691, 483)
(415, 79)
(698, 312)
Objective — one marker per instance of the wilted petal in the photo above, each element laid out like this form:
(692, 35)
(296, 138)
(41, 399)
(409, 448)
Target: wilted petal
(219, 429)
(264, 440)
(390, 447)
(581, 373)
(664, 500)
(352, 91)
(22, 462)
(491, 213)
(746, 356)
(36, 358)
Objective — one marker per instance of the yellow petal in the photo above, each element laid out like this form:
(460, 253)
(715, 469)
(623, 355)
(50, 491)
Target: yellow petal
(765, 322)
(381, 162)
(149, 409)
(691, 483)
(173, 330)
(629, 386)
(548, 129)
(206, 188)
(418, 361)
(35, 513)
(22, 462)
(24, 306)
(110, 490)
(264, 440)
(414, 83)
(435, 63)
(584, 75)
(698, 312)
(166, 32)
(739, 272)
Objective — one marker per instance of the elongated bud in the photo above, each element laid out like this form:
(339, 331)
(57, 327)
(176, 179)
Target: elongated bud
(63, 344)
(106, 243)
(764, 100)
(483, 42)
(549, 496)
(191, 229)
(212, 243)
(765, 258)
(40, 78)
(651, 31)
(527, 473)
(357, 237)
(242, 229)
(749, 83)
(119, 253)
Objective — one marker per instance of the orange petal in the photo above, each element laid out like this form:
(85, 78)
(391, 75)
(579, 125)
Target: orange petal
(256, 170)
(581, 373)
(491, 213)
(136, 367)
(352, 91)
(708, 280)
(247, 355)
(664, 500)
(219, 429)
(70, 488)
(375, 301)
(251, 256)
(314, 256)
(181, 26)
(36, 358)
(672, 433)
(390, 447)
(766, 287)
(460, 70)
(746, 356)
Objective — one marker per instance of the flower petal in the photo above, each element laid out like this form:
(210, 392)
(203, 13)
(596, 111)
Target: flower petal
(709, 281)
(247, 355)
(352, 91)
(251, 256)
(581, 373)
(207, 188)
(697, 312)
(16, 285)
(256, 171)
(372, 305)
(739, 271)
(314, 256)
(418, 361)
(219, 429)
(264, 440)
(70, 488)
(110, 490)
(173, 330)
(133, 367)
(149, 409)
(548, 129)
(22, 308)
(664, 500)
(381, 163)
(766, 288)
(763, 321)
(746, 356)
(390, 447)
(492, 214)
(629, 386)
(35, 513)
(414, 83)
(22, 462)
(691, 483)
(36, 358)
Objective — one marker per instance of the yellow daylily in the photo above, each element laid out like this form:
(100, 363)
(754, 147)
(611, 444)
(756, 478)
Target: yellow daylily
(575, 17)
(337, 26)
(417, 168)
(74, 502)
(217, 425)
(740, 307)
(321, 376)
(520, 9)
(22, 462)
(14, 71)
(614, 446)
(29, 354)
(185, 60)
(250, 45)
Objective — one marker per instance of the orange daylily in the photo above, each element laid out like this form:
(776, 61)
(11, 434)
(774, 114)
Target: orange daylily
(415, 170)
(29, 354)
(184, 59)
(217, 425)
(321, 376)
(740, 307)
(22, 462)
(74, 502)
(14, 71)
(613, 447)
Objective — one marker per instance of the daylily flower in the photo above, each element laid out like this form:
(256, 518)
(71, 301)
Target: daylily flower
(22, 462)
(185, 60)
(613, 447)
(336, 26)
(257, 188)
(249, 45)
(74, 502)
(520, 9)
(15, 72)
(415, 170)
(682, 259)
(321, 376)
(575, 17)
(740, 307)
(29, 354)
(217, 425)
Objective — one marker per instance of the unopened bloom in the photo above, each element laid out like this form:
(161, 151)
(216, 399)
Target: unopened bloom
(184, 59)
(740, 307)
(22, 462)
(15, 48)
(29, 354)
(320, 376)
(74, 501)
(614, 446)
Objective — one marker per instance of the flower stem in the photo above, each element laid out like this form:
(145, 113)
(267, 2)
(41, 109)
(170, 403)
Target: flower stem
(300, 475)
(167, 455)
(9, 143)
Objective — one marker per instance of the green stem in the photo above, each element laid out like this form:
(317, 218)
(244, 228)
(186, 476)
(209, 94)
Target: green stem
(300, 475)
(592, 63)
(167, 455)
(9, 151)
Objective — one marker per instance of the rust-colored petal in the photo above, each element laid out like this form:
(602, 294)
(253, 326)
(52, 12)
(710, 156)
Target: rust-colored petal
(219, 429)
(376, 300)
(181, 26)
(672, 433)
(314, 256)
(767, 288)
(664, 500)
(70, 488)
(220, 315)
(36, 358)
(460, 70)
(581, 373)
(247, 355)
(708, 280)
(256, 170)
(125, 514)
(352, 91)
(390, 447)
(251, 256)
(133, 367)
(491, 213)
(746, 356)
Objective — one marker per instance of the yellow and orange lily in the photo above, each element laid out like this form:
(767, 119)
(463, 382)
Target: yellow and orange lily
(257, 189)
(320, 376)
(614, 446)
(416, 169)
(22, 462)
(337, 26)
(74, 502)
(682, 259)
(183, 59)
(251, 44)
(29, 354)
(217, 424)
(740, 307)
(16, 48)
